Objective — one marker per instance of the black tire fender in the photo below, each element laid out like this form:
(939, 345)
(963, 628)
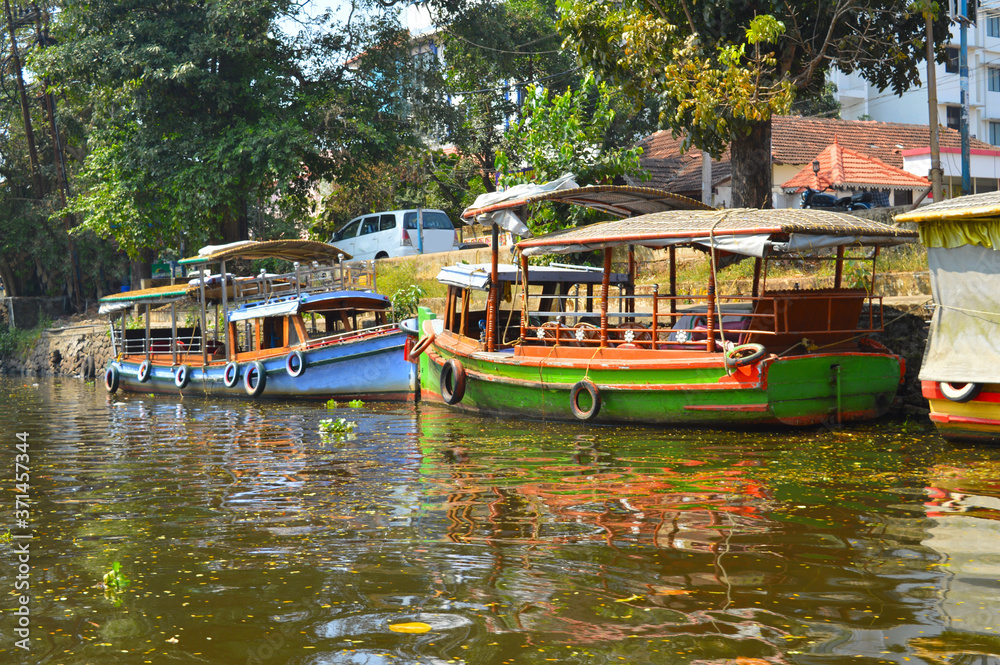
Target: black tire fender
(231, 374)
(254, 369)
(960, 392)
(452, 382)
(587, 386)
(182, 376)
(111, 378)
(295, 358)
(145, 369)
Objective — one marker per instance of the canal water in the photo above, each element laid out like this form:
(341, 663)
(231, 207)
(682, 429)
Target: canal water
(248, 536)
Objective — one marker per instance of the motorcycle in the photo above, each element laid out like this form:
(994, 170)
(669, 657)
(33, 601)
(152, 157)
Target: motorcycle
(814, 198)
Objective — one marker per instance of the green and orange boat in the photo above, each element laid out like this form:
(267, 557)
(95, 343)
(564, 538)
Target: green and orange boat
(573, 343)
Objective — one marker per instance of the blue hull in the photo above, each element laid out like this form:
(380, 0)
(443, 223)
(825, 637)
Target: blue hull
(370, 368)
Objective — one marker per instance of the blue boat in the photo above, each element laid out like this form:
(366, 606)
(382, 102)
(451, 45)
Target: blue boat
(316, 332)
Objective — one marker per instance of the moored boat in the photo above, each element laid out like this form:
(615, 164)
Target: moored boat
(585, 344)
(316, 332)
(960, 374)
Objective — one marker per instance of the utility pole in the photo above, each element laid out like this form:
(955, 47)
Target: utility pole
(963, 74)
(932, 109)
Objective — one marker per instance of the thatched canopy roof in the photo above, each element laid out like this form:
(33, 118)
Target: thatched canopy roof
(972, 206)
(302, 251)
(679, 227)
(617, 200)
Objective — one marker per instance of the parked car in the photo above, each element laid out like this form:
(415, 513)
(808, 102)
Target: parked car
(393, 233)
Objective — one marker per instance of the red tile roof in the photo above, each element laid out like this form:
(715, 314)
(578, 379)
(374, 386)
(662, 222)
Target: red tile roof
(794, 140)
(843, 168)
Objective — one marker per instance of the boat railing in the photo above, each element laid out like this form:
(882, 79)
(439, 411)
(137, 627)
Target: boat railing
(315, 342)
(304, 279)
(655, 321)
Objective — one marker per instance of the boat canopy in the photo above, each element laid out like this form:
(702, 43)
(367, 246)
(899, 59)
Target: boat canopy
(477, 277)
(964, 220)
(158, 295)
(289, 250)
(618, 200)
(310, 303)
(746, 231)
(962, 236)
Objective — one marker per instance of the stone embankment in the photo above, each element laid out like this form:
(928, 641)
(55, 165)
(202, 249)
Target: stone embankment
(81, 351)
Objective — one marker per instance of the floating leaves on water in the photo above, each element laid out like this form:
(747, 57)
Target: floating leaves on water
(331, 403)
(413, 627)
(355, 404)
(629, 599)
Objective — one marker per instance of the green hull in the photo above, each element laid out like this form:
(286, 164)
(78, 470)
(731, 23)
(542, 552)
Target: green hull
(798, 390)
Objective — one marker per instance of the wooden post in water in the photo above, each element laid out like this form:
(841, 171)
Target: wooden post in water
(605, 284)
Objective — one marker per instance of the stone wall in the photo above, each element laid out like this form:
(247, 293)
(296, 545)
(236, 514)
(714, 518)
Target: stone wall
(81, 351)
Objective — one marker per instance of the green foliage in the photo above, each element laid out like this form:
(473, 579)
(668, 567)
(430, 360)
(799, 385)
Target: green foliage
(355, 404)
(18, 343)
(405, 302)
(338, 429)
(115, 583)
(331, 403)
(821, 104)
(560, 134)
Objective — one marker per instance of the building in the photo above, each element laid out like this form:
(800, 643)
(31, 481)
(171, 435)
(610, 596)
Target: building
(795, 143)
(860, 100)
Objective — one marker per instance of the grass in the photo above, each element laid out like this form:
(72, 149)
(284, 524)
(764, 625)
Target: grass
(397, 280)
(18, 343)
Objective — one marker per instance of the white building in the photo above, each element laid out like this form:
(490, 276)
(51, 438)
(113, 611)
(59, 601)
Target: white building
(861, 100)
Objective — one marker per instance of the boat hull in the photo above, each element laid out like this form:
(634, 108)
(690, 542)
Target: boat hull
(371, 367)
(798, 390)
(975, 420)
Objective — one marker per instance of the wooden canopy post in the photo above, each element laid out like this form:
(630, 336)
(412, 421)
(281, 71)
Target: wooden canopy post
(173, 331)
(605, 284)
(630, 287)
(524, 297)
(201, 298)
(673, 285)
(838, 275)
(493, 305)
(148, 351)
(225, 311)
(755, 290)
(710, 319)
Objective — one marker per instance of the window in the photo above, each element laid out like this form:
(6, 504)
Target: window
(387, 222)
(369, 225)
(903, 197)
(432, 220)
(995, 133)
(954, 120)
(951, 66)
(993, 26)
(348, 231)
(993, 79)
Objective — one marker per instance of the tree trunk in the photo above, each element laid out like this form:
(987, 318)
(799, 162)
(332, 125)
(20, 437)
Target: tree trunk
(234, 225)
(11, 286)
(141, 268)
(750, 156)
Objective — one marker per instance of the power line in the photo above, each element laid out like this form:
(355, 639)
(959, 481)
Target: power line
(501, 87)
(497, 50)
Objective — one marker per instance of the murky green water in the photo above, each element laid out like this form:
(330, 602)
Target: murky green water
(248, 538)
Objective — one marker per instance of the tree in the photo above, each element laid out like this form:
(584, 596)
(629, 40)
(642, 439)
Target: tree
(195, 116)
(565, 133)
(696, 59)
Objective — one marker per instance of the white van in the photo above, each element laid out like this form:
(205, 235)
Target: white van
(392, 233)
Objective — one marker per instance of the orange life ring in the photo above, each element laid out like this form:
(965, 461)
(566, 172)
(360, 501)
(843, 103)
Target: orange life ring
(423, 343)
